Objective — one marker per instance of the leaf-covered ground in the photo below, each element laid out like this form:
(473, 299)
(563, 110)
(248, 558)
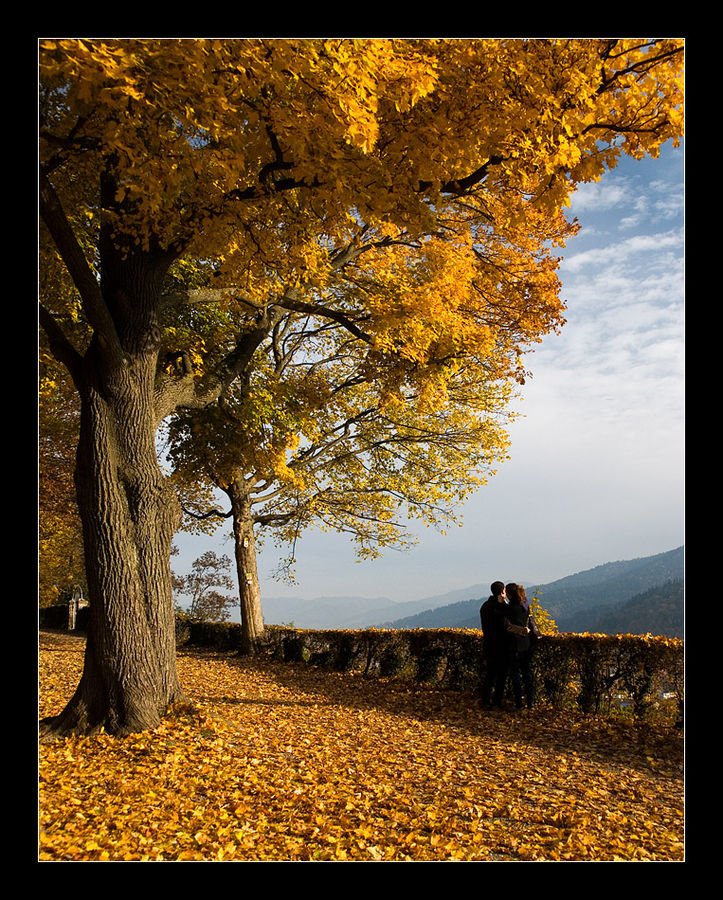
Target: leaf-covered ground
(284, 762)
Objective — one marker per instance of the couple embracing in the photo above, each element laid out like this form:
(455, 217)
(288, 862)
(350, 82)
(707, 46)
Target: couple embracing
(509, 633)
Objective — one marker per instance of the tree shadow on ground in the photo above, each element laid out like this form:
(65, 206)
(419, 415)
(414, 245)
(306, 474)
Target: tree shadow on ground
(655, 750)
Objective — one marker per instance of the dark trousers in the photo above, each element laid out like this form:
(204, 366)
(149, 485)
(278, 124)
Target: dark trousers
(521, 678)
(493, 685)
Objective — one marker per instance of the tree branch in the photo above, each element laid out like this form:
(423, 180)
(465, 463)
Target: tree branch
(460, 186)
(207, 515)
(315, 309)
(60, 346)
(83, 278)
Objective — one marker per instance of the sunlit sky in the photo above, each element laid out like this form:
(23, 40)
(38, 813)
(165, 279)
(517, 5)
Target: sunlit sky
(596, 462)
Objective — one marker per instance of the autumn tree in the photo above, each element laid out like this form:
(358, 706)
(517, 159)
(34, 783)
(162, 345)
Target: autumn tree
(59, 531)
(202, 588)
(315, 435)
(60, 536)
(542, 617)
(279, 169)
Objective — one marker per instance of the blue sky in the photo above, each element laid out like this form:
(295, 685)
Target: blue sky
(596, 464)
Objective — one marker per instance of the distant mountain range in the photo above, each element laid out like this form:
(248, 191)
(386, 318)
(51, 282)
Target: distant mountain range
(635, 596)
(348, 612)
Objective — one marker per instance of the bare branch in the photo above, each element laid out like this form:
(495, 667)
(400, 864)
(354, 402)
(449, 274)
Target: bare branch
(316, 309)
(212, 513)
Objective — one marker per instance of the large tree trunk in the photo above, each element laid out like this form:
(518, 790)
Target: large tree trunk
(252, 620)
(129, 516)
(128, 510)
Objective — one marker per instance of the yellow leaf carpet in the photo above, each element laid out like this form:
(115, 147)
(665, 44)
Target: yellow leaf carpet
(290, 763)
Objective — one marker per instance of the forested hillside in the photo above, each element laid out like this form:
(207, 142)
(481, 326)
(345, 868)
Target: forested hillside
(656, 611)
(606, 586)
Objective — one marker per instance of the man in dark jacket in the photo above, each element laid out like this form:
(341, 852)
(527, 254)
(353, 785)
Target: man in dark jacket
(495, 645)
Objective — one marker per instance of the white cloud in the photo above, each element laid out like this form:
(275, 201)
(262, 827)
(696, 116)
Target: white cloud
(622, 252)
(598, 196)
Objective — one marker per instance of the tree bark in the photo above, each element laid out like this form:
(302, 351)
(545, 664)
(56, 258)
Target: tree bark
(252, 620)
(129, 511)
(129, 514)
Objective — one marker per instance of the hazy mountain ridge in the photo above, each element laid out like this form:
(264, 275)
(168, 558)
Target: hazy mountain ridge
(576, 602)
(592, 600)
(337, 612)
(354, 612)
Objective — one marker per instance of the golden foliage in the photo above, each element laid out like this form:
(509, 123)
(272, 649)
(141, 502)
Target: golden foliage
(267, 156)
(392, 202)
(280, 762)
(61, 562)
(542, 617)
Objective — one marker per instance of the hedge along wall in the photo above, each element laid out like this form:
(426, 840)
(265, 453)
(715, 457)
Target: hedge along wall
(596, 673)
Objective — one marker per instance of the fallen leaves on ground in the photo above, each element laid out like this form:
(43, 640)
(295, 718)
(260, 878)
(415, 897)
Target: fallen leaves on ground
(284, 762)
